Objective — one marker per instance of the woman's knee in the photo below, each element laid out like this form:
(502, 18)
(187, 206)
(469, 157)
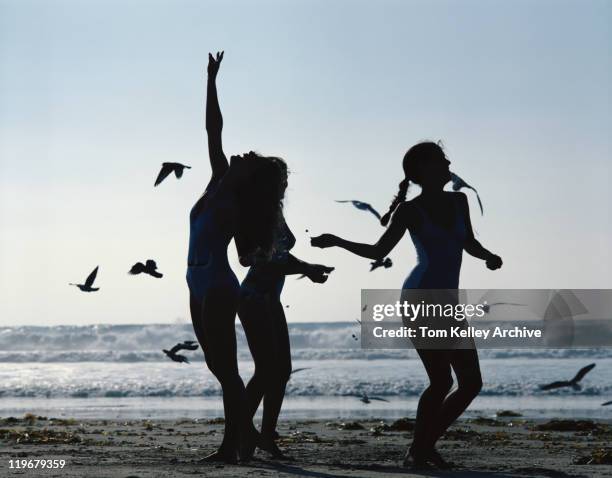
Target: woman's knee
(441, 385)
(470, 385)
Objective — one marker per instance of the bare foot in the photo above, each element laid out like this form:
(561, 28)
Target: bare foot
(416, 461)
(268, 445)
(248, 443)
(436, 459)
(222, 456)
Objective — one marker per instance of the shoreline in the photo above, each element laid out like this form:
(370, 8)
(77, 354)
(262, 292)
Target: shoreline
(496, 447)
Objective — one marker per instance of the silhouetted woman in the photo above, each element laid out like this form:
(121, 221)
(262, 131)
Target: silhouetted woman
(440, 227)
(263, 319)
(242, 201)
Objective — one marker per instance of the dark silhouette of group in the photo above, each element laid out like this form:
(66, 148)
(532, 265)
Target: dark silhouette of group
(243, 201)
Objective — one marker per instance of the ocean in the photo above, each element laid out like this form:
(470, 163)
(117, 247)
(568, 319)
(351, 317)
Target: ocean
(119, 371)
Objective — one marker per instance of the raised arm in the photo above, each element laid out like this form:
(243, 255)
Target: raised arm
(214, 120)
(401, 220)
(472, 246)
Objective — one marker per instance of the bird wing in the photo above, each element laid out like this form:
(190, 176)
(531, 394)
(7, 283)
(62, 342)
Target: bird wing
(163, 173)
(374, 211)
(379, 399)
(91, 277)
(299, 370)
(606, 403)
(358, 321)
(150, 264)
(189, 345)
(458, 183)
(175, 349)
(479, 202)
(136, 268)
(553, 385)
(582, 372)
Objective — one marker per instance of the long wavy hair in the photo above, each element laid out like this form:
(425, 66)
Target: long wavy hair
(260, 202)
(410, 164)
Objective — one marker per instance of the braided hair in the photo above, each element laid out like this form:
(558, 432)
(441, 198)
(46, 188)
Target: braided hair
(410, 164)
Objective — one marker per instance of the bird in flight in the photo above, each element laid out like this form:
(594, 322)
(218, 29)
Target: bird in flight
(459, 183)
(168, 168)
(363, 206)
(365, 399)
(570, 383)
(186, 345)
(299, 370)
(386, 263)
(606, 403)
(150, 267)
(87, 286)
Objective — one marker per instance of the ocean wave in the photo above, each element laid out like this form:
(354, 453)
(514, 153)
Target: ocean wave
(143, 343)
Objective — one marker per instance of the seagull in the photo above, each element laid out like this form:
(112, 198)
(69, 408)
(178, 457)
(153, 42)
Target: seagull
(386, 262)
(459, 183)
(150, 267)
(299, 370)
(167, 168)
(87, 287)
(570, 383)
(487, 307)
(606, 403)
(365, 399)
(364, 206)
(186, 345)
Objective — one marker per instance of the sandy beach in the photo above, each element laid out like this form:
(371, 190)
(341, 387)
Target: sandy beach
(482, 447)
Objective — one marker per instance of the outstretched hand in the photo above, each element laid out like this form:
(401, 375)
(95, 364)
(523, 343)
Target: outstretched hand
(324, 241)
(494, 262)
(214, 63)
(319, 273)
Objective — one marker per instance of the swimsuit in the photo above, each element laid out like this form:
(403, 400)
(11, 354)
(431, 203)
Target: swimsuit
(208, 265)
(439, 253)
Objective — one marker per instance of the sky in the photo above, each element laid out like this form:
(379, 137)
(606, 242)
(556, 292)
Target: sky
(95, 95)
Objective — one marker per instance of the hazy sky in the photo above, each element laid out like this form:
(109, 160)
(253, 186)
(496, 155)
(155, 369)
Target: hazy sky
(94, 95)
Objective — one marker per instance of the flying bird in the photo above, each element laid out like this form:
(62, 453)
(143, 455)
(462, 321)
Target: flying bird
(168, 168)
(150, 267)
(363, 206)
(365, 399)
(299, 370)
(386, 262)
(186, 345)
(459, 183)
(364, 308)
(570, 383)
(606, 403)
(87, 287)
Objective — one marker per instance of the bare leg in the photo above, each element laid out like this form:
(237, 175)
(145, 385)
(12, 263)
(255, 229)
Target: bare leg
(265, 326)
(438, 368)
(467, 369)
(216, 333)
(275, 394)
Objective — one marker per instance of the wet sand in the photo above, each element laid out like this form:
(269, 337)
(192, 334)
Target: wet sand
(499, 447)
